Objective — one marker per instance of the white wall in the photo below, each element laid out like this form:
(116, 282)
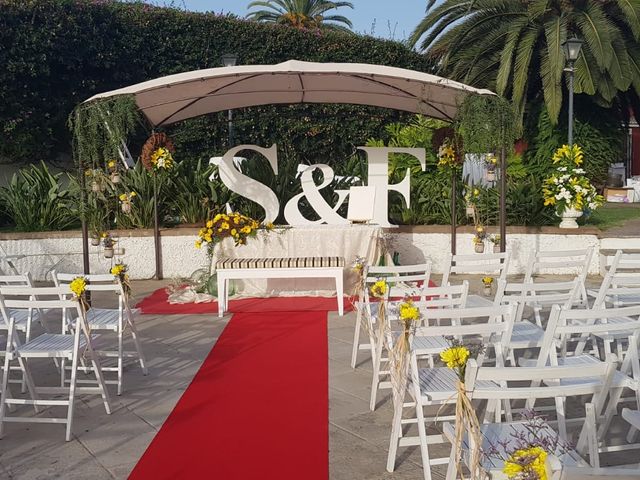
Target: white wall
(180, 258)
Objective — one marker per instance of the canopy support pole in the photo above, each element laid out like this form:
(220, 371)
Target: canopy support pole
(503, 199)
(454, 208)
(156, 229)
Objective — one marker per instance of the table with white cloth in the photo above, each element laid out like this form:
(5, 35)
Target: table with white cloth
(348, 241)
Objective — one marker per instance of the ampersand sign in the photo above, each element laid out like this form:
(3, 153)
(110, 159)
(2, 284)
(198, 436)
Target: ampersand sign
(311, 191)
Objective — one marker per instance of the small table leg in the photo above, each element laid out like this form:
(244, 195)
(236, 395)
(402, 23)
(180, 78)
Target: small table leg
(221, 295)
(340, 293)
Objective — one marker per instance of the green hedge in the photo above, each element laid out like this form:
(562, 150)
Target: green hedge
(57, 53)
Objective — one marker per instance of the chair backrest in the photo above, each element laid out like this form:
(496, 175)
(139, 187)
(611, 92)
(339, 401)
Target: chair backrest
(621, 284)
(493, 325)
(49, 298)
(564, 323)
(578, 260)
(488, 263)
(401, 280)
(604, 473)
(104, 282)
(16, 280)
(538, 294)
(518, 383)
(451, 296)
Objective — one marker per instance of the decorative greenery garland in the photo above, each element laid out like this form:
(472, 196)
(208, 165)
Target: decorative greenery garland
(486, 123)
(99, 127)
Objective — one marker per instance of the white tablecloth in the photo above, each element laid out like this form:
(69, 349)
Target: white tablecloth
(347, 241)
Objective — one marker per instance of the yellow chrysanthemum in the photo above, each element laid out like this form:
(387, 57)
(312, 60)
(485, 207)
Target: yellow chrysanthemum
(455, 357)
(487, 281)
(78, 286)
(379, 288)
(408, 311)
(224, 226)
(246, 229)
(216, 218)
(123, 197)
(198, 243)
(111, 164)
(531, 459)
(210, 224)
(117, 269)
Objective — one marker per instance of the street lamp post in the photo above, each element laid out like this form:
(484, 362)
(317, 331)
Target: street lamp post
(230, 60)
(571, 49)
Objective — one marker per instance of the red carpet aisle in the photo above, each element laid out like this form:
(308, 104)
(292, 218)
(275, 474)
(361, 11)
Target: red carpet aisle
(156, 304)
(256, 409)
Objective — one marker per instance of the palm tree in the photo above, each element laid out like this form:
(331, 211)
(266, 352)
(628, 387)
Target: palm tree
(301, 13)
(515, 47)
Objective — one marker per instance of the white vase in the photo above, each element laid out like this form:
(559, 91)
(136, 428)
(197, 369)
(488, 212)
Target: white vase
(491, 175)
(126, 207)
(108, 252)
(95, 241)
(115, 177)
(569, 217)
(470, 211)
(479, 247)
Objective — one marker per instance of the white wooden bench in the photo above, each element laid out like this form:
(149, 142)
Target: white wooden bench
(294, 267)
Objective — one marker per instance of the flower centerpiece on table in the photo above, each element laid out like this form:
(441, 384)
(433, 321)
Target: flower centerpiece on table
(568, 190)
(235, 226)
(456, 357)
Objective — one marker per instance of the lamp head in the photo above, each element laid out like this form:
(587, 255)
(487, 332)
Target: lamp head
(229, 59)
(571, 49)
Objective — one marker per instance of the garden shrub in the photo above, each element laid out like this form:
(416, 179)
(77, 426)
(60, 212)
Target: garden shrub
(60, 52)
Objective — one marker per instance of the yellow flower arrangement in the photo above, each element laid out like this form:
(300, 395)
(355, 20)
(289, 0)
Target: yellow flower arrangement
(378, 289)
(455, 357)
(118, 269)
(567, 187)
(408, 311)
(78, 286)
(487, 281)
(234, 225)
(446, 155)
(111, 165)
(161, 159)
(527, 461)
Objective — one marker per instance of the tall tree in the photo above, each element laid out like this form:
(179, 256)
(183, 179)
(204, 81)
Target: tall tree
(301, 13)
(515, 47)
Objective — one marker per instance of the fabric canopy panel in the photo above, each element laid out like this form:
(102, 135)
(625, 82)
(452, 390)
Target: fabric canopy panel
(170, 99)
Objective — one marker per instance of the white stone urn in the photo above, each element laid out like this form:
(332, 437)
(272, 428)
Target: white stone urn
(569, 217)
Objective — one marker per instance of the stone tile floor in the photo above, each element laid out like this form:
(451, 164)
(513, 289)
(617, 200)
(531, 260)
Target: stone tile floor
(108, 446)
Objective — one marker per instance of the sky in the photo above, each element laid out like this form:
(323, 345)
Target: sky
(391, 19)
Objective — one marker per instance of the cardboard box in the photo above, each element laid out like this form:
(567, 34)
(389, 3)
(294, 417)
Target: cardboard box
(619, 194)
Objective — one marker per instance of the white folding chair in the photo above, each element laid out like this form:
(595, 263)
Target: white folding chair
(497, 384)
(577, 260)
(69, 346)
(527, 334)
(438, 386)
(621, 284)
(105, 320)
(434, 297)
(487, 263)
(564, 324)
(406, 279)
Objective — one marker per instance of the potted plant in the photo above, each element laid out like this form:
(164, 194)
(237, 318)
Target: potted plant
(471, 196)
(478, 239)
(97, 179)
(108, 243)
(487, 282)
(495, 240)
(492, 165)
(126, 201)
(568, 190)
(115, 174)
(95, 238)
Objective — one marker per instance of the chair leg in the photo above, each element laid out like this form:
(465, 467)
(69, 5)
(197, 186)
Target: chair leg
(396, 433)
(424, 449)
(31, 387)
(377, 364)
(72, 396)
(452, 469)
(103, 387)
(136, 342)
(120, 361)
(356, 338)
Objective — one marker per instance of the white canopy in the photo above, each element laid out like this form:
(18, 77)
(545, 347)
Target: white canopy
(186, 95)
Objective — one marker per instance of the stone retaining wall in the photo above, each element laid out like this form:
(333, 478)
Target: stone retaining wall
(180, 258)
